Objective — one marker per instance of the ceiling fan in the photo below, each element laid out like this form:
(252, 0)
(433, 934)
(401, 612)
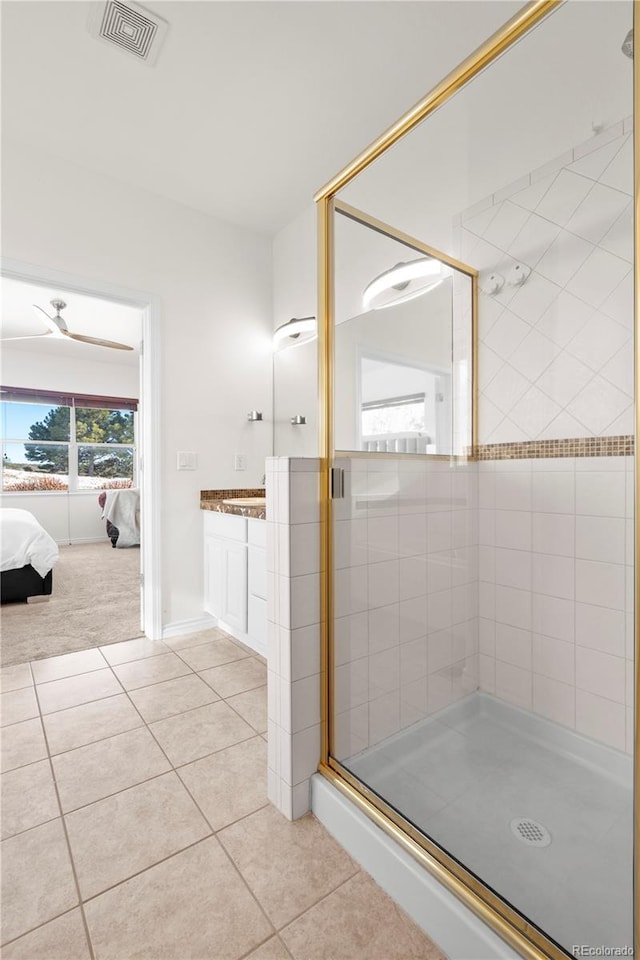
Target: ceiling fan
(58, 328)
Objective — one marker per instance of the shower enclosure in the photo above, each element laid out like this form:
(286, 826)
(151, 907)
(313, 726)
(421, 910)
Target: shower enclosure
(478, 382)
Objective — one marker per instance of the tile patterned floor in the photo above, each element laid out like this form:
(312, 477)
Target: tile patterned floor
(135, 819)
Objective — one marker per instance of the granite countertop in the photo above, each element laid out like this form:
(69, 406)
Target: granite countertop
(213, 500)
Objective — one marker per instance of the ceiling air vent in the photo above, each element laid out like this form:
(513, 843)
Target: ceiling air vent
(129, 26)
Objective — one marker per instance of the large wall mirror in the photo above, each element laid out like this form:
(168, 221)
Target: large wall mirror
(404, 322)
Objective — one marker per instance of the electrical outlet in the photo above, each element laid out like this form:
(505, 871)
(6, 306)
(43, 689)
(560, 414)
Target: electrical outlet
(187, 460)
(240, 461)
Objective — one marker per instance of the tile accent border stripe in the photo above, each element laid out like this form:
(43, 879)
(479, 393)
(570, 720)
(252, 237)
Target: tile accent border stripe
(621, 446)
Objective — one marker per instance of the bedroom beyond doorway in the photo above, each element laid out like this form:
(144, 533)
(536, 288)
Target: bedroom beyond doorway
(96, 601)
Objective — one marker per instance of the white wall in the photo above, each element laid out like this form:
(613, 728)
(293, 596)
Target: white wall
(296, 369)
(66, 517)
(214, 281)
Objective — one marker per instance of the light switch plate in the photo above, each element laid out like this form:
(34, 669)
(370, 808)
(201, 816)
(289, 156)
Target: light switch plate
(240, 461)
(187, 460)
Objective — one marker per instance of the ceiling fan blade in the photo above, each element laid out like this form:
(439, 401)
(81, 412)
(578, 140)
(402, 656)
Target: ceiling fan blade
(96, 341)
(55, 325)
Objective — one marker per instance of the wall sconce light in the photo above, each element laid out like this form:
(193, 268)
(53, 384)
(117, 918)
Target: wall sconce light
(298, 420)
(254, 415)
(293, 332)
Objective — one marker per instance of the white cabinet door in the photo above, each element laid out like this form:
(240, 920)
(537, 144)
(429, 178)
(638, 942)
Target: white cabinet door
(234, 585)
(213, 566)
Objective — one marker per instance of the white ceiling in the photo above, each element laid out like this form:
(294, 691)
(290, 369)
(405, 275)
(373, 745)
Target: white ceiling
(85, 315)
(251, 107)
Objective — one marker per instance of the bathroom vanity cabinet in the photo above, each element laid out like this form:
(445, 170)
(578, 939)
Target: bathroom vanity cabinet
(235, 576)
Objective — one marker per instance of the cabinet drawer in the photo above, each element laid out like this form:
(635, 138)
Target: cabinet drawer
(225, 525)
(258, 532)
(258, 572)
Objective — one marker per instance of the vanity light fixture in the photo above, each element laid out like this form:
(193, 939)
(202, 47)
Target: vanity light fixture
(295, 331)
(403, 282)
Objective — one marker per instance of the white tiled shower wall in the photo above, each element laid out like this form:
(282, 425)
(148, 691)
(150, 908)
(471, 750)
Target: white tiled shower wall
(556, 354)
(406, 595)
(555, 566)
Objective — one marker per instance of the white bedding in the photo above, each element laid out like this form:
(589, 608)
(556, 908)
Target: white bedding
(23, 541)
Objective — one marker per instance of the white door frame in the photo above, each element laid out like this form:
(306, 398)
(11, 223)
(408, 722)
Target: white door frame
(150, 400)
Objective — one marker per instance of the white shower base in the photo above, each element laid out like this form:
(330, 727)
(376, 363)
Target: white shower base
(463, 775)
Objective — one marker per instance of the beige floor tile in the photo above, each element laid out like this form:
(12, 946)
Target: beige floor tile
(212, 654)
(231, 783)
(289, 866)
(28, 798)
(22, 743)
(193, 639)
(68, 665)
(77, 726)
(252, 707)
(37, 882)
(173, 696)
(60, 939)
(191, 907)
(16, 677)
(72, 691)
(273, 949)
(140, 673)
(100, 769)
(133, 650)
(357, 920)
(189, 736)
(115, 838)
(18, 705)
(236, 677)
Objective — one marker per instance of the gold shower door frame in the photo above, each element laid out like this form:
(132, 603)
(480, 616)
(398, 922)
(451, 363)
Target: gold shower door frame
(503, 919)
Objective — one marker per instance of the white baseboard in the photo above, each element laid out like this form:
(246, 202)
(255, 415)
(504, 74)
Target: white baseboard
(182, 627)
(459, 933)
(70, 543)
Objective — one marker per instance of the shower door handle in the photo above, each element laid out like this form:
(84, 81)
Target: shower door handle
(337, 483)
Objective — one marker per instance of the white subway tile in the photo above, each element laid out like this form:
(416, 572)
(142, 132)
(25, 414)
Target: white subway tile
(384, 672)
(513, 645)
(487, 673)
(384, 717)
(439, 610)
(554, 658)
(351, 637)
(554, 700)
(382, 538)
(513, 490)
(413, 702)
(412, 535)
(351, 591)
(301, 799)
(412, 572)
(487, 600)
(600, 494)
(413, 660)
(600, 538)
(306, 753)
(554, 533)
(513, 568)
(487, 637)
(305, 651)
(282, 591)
(553, 575)
(304, 498)
(601, 719)
(553, 617)
(602, 584)
(305, 703)
(600, 673)
(439, 690)
(383, 583)
(513, 529)
(554, 492)
(513, 607)
(351, 684)
(384, 627)
(281, 505)
(514, 684)
(305, 600)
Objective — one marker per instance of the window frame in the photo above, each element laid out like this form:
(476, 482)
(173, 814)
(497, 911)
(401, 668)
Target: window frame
(73, 401)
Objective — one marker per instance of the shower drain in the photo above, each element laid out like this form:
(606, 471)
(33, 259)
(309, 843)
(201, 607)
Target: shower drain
(530, 832)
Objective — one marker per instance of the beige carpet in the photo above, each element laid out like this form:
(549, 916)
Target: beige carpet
(95, 600)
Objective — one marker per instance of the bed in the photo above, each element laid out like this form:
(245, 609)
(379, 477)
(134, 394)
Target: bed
(27, 557)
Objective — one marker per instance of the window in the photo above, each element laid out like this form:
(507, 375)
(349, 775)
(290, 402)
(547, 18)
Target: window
(395, 415)
(63, 442)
